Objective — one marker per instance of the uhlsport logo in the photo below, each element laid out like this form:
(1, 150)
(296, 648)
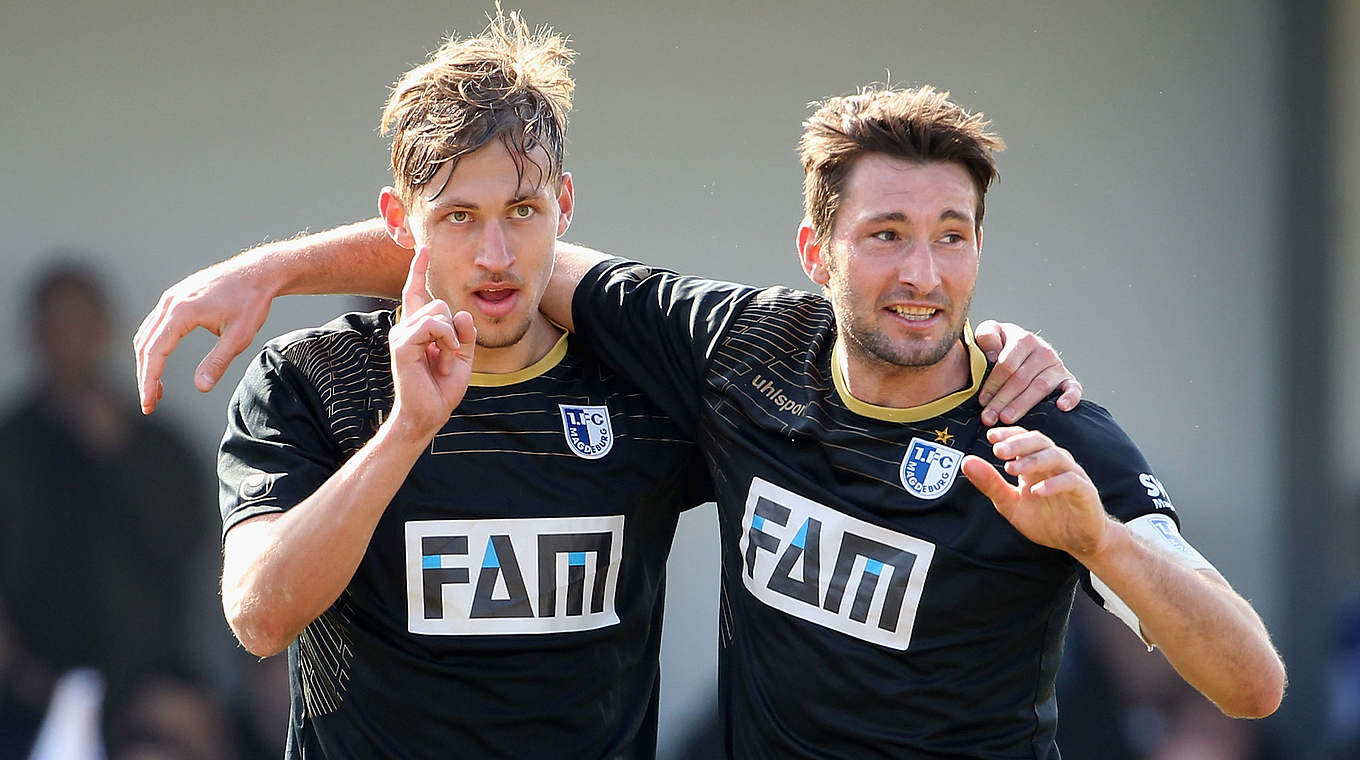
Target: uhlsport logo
(810, 561)
(588, 431)
(540, 575)
(929, 469)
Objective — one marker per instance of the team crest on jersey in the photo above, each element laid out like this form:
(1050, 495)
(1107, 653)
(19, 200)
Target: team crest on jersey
(929, 468)
(589, 434)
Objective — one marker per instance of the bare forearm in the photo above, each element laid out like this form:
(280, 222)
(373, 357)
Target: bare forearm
(362, 258)
(358, 258)
(281, 572)
(1208, 633)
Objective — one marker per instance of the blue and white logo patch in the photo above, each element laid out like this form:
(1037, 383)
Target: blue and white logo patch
(929, 469)
(589, 434)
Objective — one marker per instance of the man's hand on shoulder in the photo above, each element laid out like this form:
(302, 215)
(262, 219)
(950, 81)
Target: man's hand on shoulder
(230, 299)
(1026, 369)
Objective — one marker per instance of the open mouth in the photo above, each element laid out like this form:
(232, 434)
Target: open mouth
(496, 300)
(495, 295)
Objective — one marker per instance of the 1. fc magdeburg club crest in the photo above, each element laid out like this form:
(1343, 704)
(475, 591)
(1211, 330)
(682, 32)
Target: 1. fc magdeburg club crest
(589, 434)
(928, 469)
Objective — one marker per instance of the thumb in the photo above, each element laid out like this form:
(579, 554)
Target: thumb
(989, 481)
(989, 338)
(466, 331)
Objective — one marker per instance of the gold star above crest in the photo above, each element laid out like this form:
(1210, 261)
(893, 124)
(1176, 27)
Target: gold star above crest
(943, 436)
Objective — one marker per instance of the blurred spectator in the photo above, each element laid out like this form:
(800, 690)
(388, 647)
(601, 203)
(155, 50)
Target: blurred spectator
(167, 715)
(1344, 685)
(104, 512)
(1117, 701)
(262, 709)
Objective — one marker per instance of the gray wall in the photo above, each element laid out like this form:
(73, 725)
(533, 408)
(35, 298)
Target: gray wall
(1346, 87)
(1136, 222)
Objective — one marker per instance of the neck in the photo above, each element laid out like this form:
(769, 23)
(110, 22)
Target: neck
(874, 381)
(536, 343)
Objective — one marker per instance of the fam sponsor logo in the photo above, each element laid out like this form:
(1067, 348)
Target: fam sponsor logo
(810, 561)
(929, 468)
(589, 434)
(537, 575)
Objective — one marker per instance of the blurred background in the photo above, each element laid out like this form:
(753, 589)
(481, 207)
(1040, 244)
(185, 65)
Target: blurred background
(1178, 212)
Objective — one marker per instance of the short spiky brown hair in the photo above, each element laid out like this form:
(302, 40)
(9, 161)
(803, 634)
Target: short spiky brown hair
(919, 125)
(507, 83)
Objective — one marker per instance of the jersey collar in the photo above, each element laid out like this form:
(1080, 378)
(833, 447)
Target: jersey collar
(977, 367)
(497, 379)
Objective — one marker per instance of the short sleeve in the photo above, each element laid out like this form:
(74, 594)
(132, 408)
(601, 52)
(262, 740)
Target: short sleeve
(656, 328)
(275, 451)
(1128, 489)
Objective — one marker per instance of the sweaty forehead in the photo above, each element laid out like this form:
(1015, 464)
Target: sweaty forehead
(491, 175)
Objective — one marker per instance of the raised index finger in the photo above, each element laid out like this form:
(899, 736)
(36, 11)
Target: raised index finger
(415, 293)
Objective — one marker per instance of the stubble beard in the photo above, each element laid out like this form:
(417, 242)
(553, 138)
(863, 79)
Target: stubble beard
(506, 337)
(869, 341)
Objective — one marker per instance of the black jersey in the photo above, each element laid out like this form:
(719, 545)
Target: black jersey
(509, 603)
(875, 604)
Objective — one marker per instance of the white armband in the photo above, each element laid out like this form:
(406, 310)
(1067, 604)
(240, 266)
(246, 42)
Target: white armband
(1159, 532)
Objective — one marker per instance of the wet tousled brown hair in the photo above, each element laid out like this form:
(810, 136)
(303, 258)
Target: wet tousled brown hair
(508, 83)
(919, 125)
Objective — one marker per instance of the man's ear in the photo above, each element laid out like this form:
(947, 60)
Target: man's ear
(810, 253)
(566, 203)
(393, 212)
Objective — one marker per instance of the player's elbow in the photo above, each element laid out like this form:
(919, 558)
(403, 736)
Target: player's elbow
(258, 631)
(1260, 695)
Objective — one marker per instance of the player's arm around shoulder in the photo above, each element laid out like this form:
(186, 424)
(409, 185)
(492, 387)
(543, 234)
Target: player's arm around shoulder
(231, 298)
(1209, 633)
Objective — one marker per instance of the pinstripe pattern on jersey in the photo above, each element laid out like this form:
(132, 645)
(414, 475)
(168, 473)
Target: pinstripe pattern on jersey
(778, 338)
(350, 372)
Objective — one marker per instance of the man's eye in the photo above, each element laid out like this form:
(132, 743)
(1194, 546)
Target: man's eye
(885, 235)
(459, 217)
(522, 212)
(952, 237)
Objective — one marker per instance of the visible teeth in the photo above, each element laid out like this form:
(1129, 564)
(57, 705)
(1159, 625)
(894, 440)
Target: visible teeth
(914, 313)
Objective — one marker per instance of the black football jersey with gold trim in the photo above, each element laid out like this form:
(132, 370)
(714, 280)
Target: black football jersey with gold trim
(874, 603)
(510, 600)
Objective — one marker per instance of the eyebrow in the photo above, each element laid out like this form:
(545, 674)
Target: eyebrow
(439, 204)
(898, 216)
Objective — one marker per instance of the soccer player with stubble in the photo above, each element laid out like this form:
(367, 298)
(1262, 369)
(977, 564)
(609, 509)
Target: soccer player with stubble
(875, 603)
